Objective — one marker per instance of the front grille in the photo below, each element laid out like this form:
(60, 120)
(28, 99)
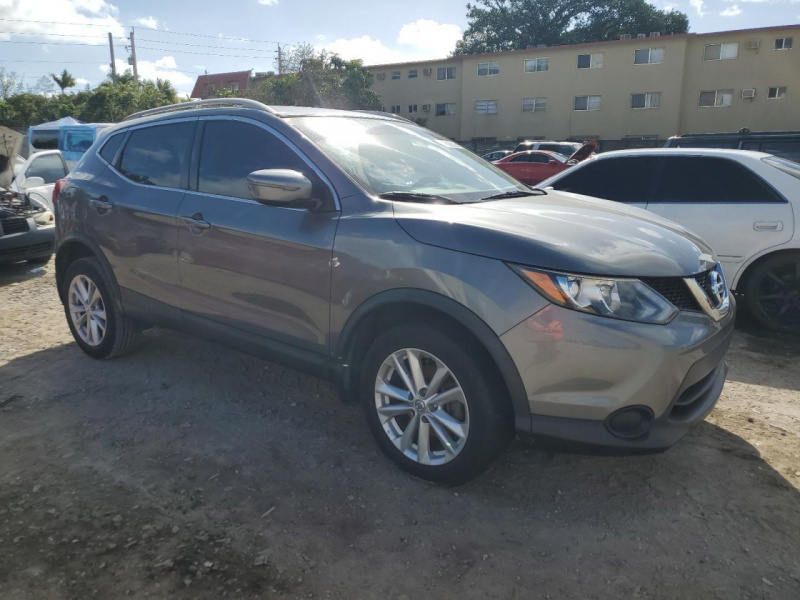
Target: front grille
(13, 225)
(675, 290)
(25, 251)
(704, 281)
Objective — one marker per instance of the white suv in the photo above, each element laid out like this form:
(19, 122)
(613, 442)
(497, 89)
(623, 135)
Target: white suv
(742, 203)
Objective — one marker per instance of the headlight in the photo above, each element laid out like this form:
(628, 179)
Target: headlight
(626, 299)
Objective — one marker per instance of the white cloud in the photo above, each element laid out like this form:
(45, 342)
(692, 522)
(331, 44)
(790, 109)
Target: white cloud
(421, 40)
(158, 69)
(698, 5)
(81, 82)
(150, 22)
(731, 11)
(81, 14)
(268, 2)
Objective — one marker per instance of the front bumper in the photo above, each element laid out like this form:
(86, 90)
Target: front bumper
(37, 242)
(579, 371)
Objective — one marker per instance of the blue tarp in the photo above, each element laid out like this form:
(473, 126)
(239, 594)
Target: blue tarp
(62, 122)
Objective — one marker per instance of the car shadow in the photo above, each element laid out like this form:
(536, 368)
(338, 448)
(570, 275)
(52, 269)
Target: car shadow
(12, 273)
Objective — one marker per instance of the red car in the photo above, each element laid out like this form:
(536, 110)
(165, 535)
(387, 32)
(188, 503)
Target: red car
(534, 166)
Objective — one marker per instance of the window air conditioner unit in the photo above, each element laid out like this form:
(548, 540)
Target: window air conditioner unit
(753, 44)
(381, 76)
(748, 93)
(426, 108)
(641, 35)
(655, 34)
(625, 36)
(427, 72)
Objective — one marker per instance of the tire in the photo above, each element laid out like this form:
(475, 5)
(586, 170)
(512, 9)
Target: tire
(772, 293)
(120, 334)
(42, 260)
(482, 403)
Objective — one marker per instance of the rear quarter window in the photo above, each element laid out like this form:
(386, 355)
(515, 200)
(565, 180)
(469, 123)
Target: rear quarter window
(109, 149)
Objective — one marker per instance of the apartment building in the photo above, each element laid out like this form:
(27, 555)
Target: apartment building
(640, 87)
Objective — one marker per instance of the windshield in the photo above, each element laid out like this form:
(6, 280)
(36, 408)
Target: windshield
(393, 156)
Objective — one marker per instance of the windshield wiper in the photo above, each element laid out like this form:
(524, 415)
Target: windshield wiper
(515, 194)
(417, 197)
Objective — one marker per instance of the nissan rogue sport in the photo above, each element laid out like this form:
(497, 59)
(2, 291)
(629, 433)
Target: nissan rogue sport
(454, 303)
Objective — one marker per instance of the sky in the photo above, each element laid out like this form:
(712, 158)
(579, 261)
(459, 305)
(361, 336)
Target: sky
(178, 39)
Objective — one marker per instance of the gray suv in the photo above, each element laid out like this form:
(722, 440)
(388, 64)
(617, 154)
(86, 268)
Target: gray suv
(454, 303)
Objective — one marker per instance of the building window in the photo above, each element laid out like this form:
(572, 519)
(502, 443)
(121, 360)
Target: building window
(486, 107)
(534, 104)
(591, 61)
(587, 102)
(412, 108)
(646, 100)
(395, 74)
(209, 89)
(488, 68)
(443, 73)
(777, 93)
(412, 73)
(714, 98)
(783, 44)
(234, 86)
(533, 65)
(648, 56)
(394, 109)
(446, 110)
(721, 51)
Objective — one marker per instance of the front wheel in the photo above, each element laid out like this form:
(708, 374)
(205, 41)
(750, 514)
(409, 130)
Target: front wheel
(772, 293)
(433, 403)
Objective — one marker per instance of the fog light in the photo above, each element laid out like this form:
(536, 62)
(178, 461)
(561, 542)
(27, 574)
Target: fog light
(630, 422)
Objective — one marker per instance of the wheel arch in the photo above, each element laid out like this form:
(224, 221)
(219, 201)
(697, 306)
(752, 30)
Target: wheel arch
(386, 307)
(71, 249)
(740, 281)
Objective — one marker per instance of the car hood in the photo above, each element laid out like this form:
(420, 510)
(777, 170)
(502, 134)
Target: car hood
(564, 232)
(10, 143)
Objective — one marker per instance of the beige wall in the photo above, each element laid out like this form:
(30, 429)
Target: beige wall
(759, 69)
(679, 79)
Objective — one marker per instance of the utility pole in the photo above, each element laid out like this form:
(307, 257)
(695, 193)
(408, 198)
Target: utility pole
(113, 62)
(280, 60)
(132, 60)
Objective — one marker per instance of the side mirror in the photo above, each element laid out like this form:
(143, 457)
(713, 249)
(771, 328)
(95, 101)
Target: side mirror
(279, 186)
(32, 182)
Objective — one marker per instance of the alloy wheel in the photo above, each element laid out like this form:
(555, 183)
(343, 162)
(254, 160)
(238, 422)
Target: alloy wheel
(87, 310)
(421, 406)
(778, 294)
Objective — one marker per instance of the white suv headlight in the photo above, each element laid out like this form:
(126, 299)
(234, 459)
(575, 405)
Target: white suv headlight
(626, 299)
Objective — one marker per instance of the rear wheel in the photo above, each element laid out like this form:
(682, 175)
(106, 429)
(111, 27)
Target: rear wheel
(772, 293)
(94, 314)
(434, 406)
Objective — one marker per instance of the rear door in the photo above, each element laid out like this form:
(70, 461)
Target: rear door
(132, 208)
(626, 179)
(264, 269)
(723, 201)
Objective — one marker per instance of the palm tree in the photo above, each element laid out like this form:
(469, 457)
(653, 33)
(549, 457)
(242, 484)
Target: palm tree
(65, 81)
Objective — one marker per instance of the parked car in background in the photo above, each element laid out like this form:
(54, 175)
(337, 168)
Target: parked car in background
(744, 204)
(568, 149)
(37, 176)
(453, 302)
(785, 144)
(496, 155)
(533, 166)
(72, 137)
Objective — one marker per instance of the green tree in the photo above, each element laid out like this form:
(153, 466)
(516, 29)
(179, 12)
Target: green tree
(498, 25)
(65, 81)
(322, 80)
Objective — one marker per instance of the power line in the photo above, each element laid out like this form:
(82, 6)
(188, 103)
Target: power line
(202, 53)
(53, 43)
(72, 35)
(204, 46)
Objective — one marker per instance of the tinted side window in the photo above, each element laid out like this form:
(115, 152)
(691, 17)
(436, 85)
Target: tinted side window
(158, 155)
(520, 159)
(539, 158)
(782, 148)
(49, 167)
(45, 140)
(109, 149)
(628, 179)
(702, 180)
(707, 143)
(231, 150)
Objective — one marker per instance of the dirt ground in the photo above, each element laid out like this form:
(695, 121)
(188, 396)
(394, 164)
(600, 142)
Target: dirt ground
(188, 470)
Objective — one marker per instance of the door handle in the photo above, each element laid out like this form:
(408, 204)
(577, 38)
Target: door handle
(196, 221)
(768, 226)
(102, 204)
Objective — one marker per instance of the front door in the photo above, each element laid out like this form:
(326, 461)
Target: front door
(726, 204)
(259, 268)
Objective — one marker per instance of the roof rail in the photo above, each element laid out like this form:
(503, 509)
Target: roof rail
(213, 103)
